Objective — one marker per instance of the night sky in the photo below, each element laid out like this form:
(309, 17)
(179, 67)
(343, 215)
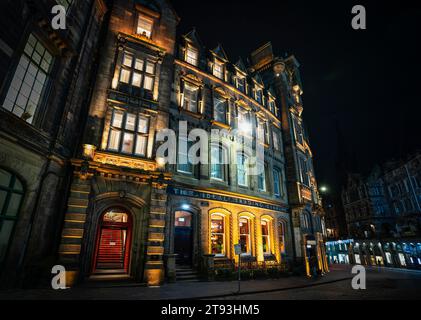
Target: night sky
(364, 82)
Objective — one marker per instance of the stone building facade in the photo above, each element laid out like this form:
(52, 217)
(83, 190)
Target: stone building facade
(116, 207)
(43, 88)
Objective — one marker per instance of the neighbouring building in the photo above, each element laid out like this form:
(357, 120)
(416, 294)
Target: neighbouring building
(44, 84)
(108, 203)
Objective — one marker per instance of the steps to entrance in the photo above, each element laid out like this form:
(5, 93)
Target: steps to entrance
(186, 273)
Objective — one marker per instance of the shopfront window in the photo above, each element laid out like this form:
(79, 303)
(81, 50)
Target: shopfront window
(245, 239)
(282, 233)
(265, 236)
(217, 235)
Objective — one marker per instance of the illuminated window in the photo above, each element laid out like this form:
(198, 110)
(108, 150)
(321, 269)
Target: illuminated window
(190, 97)
(242, 169)
(29, 81)
(217, 234)
(11, 195)
(192, 55)
(218, 162)
(220, 108)
(266, 236)
(262, 131)
(244, 124)
(241, 84)
(245, 239)
(282, 233)
(218, 69)
(183, 219)
(115, 216)
(129, 133)
(136, 73)
(144, 25)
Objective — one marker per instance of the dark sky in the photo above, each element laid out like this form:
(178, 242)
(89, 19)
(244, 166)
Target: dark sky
(366, 81)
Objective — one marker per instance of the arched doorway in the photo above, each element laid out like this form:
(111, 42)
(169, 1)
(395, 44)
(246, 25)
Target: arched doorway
(113, 241)
(183, 237)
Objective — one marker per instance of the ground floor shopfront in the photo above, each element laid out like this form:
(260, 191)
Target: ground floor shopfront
(395, 253)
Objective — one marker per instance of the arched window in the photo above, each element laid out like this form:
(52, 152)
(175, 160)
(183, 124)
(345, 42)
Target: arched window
(282, 233)
(11, 195)
(245, 238)
(217, 234)
(266, 241)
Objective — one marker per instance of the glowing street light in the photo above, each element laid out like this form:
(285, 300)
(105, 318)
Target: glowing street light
(323, 189)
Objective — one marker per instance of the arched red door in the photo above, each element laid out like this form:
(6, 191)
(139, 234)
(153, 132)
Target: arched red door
(112, 250)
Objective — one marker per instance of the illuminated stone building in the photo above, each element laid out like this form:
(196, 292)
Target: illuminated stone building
(44, 85)
(126, 212)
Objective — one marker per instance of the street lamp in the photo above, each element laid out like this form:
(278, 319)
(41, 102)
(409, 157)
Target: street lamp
(323, 189)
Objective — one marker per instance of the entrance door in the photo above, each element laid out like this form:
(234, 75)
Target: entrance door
(183, 237)
(113, 242)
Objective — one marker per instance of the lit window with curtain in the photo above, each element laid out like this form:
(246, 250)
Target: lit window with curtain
(30, 80)
(218, 162)
(129, 133)
(245, 238)
(11, 196)
(190, 97)
(266, 236)
(136, 73)
(242, 170)
(144, 25)
(220, 107)
(217, 234)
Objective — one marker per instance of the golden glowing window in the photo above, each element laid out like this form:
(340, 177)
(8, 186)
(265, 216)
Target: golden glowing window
(217, 235)
(115, 216)
(144, 26)
(136, 74)
(218, 69)
(266, 236)
(245, 238)
(192, 55)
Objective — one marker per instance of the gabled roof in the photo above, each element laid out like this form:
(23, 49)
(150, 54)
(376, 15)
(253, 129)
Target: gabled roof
(241, 65)
(220, 52)
(194, 38)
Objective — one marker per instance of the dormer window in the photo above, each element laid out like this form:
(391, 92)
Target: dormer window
(218, 69)
(192, 55)
(241, 84)
(144, 26)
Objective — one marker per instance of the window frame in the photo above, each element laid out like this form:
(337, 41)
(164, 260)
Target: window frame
(222, 71)
(222, 99)
(248, 235)
(149, 19)
(246, 170)
(224, 246)
(222, 151)
(187, 57)
(267, 236)
(183, 100)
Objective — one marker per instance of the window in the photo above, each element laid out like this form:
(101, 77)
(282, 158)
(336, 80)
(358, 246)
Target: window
(277, 187)
(282, 233)
(241, 84)
(304, 178)
(298, 132)
(244, 124)
(129, 133)
(242, 170)
(218, 162)
(183, 163)
(265, 236)
(276, 140)
(192, 55)
(272, 106)
(245, 239)
(218, 69)
(144, 26)
(259, 95)
(137, 73)
(261, 178)
(11, 195)
(183, 219)
(262, 131)
(190, 97)
(29, 81)
(217, 235)
(220, 108)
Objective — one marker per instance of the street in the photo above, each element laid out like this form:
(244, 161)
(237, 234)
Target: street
(381, 283)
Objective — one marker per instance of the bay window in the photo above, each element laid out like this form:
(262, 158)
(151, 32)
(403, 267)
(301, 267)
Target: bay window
(30, 80)
(136, 73)
(217, 234)
(245, 238)
(220, 108)
(144, 25)
(129, 133)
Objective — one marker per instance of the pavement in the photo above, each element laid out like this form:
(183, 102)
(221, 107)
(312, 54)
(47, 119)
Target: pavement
(381, 283)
